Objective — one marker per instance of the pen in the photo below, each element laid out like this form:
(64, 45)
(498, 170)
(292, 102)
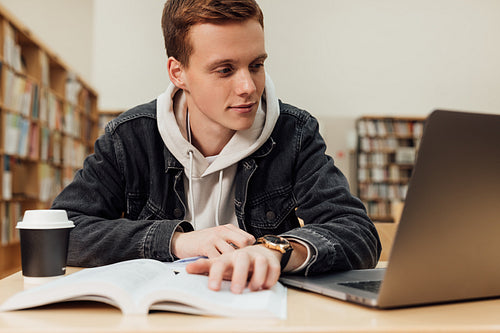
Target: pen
(190, 259)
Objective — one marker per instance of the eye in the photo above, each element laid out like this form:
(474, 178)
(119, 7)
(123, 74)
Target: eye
(257, 66)
(225, 70)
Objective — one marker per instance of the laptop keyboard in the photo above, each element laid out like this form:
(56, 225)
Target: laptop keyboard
(372, 286)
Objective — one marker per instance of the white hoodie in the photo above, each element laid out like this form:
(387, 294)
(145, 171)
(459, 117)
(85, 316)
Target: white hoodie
(209, 182)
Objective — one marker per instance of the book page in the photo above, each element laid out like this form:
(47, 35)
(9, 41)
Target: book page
(189, 293)
(117, 284)
(132, 277)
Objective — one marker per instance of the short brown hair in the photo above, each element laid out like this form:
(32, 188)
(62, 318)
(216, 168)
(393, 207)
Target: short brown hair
(180, 15)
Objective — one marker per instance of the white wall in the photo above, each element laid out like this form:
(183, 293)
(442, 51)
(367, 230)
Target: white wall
(353, 57)
(129, 56)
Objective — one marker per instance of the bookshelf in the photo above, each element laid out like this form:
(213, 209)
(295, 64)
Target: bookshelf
(386, 152)
(48, 121)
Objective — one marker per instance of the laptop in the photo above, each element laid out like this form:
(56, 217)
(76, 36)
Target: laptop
(447, 245)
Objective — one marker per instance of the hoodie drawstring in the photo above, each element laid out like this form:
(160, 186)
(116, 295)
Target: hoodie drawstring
(190, 181)
(219, 197)
(191, 196)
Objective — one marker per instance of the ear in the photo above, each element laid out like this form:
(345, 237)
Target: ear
(176, 72)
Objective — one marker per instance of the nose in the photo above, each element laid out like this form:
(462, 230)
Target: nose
(245, 84)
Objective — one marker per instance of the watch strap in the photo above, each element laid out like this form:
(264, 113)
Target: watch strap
(285, 258)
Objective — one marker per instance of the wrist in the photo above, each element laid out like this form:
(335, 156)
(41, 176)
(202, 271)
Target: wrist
(281, 246)
(299, 257)
(175, 244)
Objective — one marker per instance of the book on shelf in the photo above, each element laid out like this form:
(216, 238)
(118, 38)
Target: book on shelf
(11, 133)
(35, 109)
(54, 109)
(12, 51)
(74, 152)
(45, 181)
(142, 285)
(402, 128)
(71, 121)
(379, 210)
(24, 130)
(55, 147)
(371, 128)
(383, 191)
(18, 93)
(5, 223)
(16, 129)
(369, 144)
(10, 213)
(43, 114)
(45, 69)
(72, 88)
(44, 144)
(406, 155)
(387, 126)
(7, 178)
(34, 140)
(20, 136)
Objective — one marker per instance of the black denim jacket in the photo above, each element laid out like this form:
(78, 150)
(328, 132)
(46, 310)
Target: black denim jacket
(129, 198)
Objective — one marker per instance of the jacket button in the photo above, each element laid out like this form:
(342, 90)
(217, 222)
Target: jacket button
(177, 213)
(270, 215)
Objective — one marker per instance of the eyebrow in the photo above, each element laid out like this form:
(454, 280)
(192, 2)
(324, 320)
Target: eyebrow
(217, 63)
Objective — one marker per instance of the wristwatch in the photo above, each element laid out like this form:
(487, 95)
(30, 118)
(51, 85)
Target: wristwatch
(277, 243)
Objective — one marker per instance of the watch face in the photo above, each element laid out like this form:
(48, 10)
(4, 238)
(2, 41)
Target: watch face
(275, 239)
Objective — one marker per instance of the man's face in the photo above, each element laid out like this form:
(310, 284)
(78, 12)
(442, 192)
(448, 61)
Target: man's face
(225, 78)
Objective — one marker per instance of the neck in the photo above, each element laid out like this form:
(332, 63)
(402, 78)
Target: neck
(209, 140)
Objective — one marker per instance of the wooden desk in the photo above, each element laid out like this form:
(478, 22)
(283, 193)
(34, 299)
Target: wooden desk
(307, 312)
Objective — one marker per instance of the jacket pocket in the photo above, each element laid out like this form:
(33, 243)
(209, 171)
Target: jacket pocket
(273, 212)
(136, 206)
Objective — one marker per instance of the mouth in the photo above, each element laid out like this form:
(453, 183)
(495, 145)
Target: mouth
(243, 108)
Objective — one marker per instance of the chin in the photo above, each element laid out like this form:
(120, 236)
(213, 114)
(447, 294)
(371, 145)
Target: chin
(243, 124)
(242, 127)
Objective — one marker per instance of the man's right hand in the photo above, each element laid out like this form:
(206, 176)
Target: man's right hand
(210, 242)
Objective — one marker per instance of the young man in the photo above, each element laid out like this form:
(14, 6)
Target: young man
(214, 164)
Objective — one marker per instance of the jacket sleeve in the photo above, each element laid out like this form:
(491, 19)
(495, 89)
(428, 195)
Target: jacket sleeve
(95, 201)
(336, 225)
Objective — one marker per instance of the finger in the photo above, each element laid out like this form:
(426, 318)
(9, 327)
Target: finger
(212, 252)
(241, 267)
(237, 236)
(200, 266)
(216, 273)
(241, 234)
(273, 274)
(259, 274)
(224, 247)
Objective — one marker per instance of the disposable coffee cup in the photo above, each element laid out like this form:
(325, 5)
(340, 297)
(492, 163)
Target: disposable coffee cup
(44, 243)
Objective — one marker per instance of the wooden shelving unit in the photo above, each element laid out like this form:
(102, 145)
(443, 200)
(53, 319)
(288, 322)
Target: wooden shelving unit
(48, 121)
(387, 147)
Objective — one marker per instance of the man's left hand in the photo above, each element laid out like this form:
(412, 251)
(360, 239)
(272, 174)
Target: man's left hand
(256, 264)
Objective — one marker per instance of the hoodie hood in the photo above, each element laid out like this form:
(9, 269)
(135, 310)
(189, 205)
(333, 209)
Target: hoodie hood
(209, 181)
(171, 119)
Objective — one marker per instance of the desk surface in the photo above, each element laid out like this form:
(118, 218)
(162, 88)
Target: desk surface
(307, 312)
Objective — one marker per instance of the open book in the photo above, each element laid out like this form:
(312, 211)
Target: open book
(140, 285)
